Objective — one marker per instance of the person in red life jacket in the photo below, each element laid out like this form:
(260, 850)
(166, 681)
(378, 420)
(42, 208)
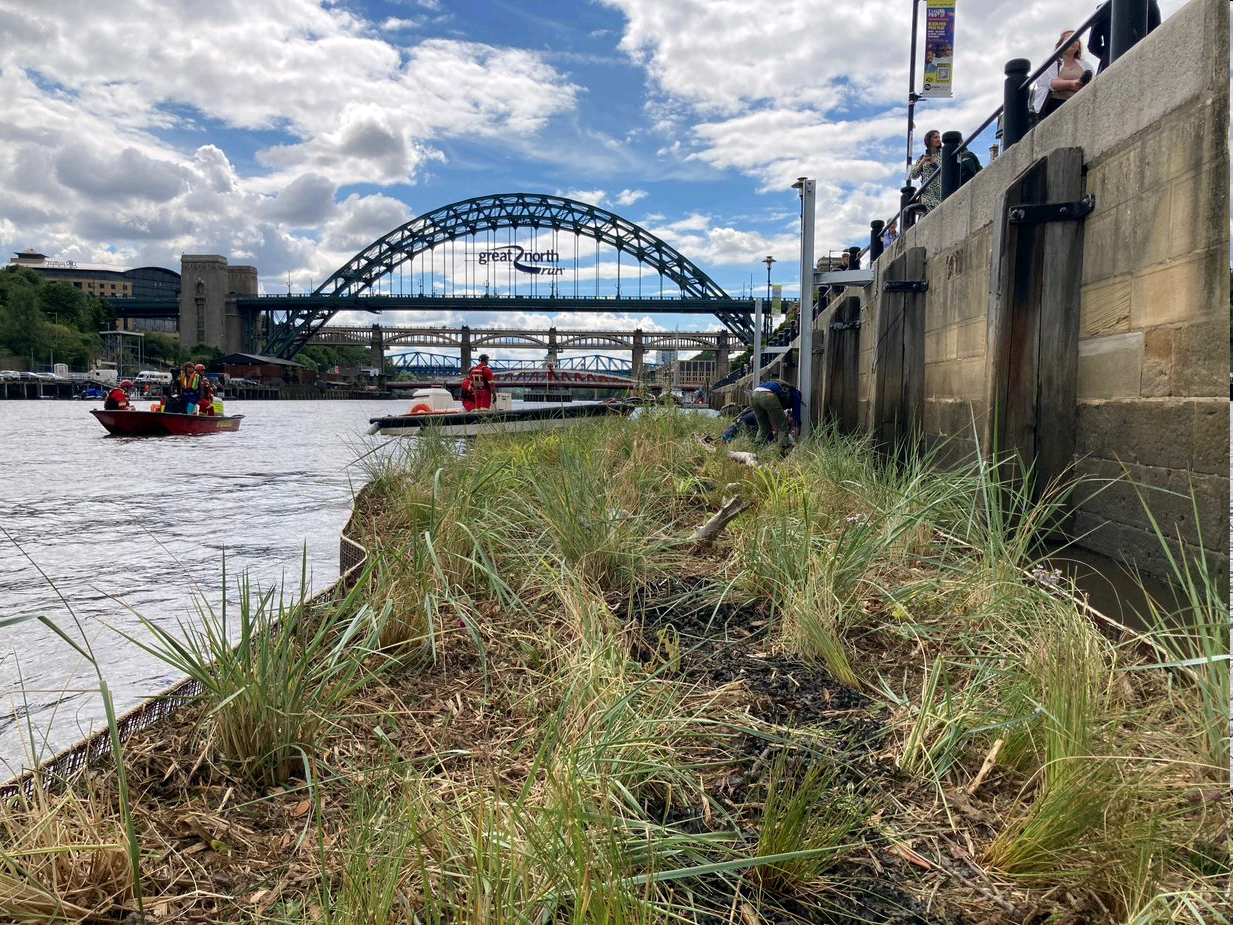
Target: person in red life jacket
(481, 376)
(467, 393)
(207, 391)
(117, 398)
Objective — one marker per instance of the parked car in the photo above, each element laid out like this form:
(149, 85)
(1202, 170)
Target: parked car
(9, 374)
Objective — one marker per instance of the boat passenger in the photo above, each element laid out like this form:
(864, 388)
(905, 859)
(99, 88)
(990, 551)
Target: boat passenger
(117, 398)
(481, 377)
(189, 384)
(207, 391)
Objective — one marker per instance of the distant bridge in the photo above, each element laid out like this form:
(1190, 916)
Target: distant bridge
(467, 341)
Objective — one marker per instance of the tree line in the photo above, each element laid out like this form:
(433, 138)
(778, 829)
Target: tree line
(48, 321)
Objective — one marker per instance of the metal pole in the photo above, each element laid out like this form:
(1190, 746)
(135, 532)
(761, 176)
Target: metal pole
(1015, 102)
(912, 97)
(1127, 27)
(950, 162)
(804, 371)
(755, 358)
(907, 217)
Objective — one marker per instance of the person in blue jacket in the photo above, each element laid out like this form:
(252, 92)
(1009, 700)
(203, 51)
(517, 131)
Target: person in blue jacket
(772, 401)
(745, 421)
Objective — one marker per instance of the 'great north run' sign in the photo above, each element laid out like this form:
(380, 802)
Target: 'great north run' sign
(523, 260)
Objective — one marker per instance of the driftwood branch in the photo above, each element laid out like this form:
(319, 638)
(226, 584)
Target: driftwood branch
(990, 761)
(715, 526)
(745, 459)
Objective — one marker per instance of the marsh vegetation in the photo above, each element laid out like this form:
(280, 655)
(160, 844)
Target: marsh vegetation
(545, 702)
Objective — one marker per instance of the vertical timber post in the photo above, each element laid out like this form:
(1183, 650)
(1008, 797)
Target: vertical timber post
(899, 361)
(1033, 335)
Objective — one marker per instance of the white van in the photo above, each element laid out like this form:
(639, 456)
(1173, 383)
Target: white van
(152, 377)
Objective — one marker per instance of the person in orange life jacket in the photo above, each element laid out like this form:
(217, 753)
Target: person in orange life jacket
(207, 391)
(189, 384)
(770, 400)
(467, 394)
(117, 398)
(481, 376)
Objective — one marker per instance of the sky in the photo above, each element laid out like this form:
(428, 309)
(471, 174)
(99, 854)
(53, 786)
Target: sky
(291, 134)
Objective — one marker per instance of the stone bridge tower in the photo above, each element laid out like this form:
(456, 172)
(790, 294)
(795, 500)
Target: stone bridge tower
(209, 314)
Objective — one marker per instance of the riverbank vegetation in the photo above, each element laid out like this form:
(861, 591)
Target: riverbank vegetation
(547, 701)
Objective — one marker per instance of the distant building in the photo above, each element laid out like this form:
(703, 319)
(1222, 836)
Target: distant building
(109, 282)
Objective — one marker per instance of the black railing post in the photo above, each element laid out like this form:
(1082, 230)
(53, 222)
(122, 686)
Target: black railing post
(950, 162)
(1128, 26)
(909, 214)
(875, 239)
(1015, 102)
(854, 258)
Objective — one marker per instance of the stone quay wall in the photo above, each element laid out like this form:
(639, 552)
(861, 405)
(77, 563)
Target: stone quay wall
(1153, 332)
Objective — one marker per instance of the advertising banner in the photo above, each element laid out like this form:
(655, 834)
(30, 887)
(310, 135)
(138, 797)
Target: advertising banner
(939, 47)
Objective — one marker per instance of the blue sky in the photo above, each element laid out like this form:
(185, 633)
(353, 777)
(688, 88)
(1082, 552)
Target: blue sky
(290, 134)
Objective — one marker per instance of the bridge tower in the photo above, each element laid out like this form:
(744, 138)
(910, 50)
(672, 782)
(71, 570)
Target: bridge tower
(465, 352)
(377, 349)
(209, 314)
(639, 356)
(554, 350)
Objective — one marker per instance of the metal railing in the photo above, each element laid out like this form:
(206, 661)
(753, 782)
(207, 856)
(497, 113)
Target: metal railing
(1129, 25)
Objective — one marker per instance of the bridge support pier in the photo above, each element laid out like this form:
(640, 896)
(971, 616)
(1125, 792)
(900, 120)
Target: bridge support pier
(465, 349)
(554, 351)
(639, 356)
(722, 366)
(377, 350)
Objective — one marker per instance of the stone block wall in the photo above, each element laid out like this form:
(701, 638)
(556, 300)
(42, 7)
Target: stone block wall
(1154, 323)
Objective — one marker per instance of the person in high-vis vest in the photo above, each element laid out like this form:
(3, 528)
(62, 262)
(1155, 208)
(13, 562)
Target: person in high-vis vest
(771, 401)
(189, 385)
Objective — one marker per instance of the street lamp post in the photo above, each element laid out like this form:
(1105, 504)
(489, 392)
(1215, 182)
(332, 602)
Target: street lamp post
(768, 261)
(807, 189)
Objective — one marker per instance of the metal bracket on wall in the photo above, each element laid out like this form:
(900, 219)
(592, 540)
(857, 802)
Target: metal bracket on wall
(905, 285)
(1053, 211)
(845, 325)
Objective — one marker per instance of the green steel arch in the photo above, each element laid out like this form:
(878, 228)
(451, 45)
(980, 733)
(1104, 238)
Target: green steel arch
(488, 213)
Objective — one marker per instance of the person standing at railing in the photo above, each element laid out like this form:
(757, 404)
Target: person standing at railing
(1098, 38)
(1064, 78)
(926, 165)
(890, 234)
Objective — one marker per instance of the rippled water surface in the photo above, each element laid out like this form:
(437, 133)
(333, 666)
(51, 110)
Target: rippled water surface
(102, 528)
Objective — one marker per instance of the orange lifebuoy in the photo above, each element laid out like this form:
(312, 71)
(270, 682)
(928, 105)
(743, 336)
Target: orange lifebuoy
(421, 408)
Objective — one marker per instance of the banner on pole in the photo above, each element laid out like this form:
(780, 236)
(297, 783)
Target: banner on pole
(777, 298)
(939, 47)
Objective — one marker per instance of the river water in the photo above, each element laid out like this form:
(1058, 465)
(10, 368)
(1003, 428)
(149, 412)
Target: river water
(95, 530)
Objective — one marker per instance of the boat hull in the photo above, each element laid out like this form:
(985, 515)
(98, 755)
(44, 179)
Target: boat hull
(163, 424)
(477, 423)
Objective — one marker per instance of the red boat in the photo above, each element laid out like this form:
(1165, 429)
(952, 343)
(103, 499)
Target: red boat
(164, 424)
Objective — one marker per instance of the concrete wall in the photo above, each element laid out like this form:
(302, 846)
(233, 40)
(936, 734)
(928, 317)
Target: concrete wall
(1154, 327)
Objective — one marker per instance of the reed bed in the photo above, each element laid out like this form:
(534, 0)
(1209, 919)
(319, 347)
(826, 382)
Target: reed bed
(545, 702)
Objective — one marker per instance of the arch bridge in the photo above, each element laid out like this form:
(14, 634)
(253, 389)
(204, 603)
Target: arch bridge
(297, 321)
